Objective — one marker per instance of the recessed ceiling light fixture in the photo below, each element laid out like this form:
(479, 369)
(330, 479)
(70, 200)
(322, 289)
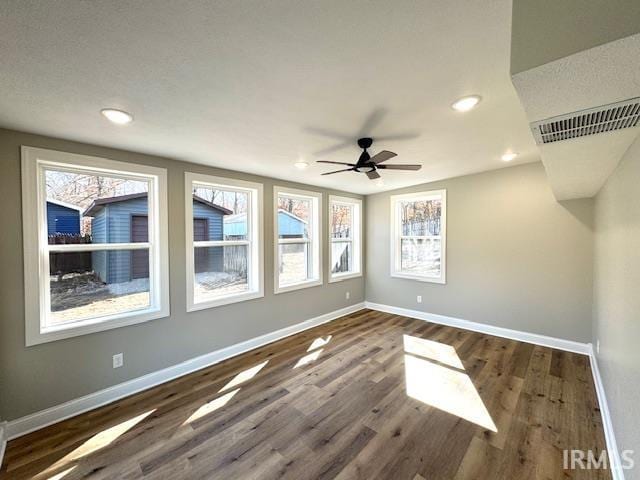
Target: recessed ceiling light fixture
(465, 104)
(301, 164)
(118, 117)
(508, 156)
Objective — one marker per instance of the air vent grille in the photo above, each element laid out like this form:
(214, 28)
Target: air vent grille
(615, 116)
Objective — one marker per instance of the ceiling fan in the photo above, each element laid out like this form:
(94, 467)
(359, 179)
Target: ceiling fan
(368, 164)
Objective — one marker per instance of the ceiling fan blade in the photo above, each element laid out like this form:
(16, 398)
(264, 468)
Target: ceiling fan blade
(336, 163)
(401, 167)
(325, 132)
(397, 136)
(372, 121)
(382, 156)
(373, 175)
(334, 148)
(338, 171)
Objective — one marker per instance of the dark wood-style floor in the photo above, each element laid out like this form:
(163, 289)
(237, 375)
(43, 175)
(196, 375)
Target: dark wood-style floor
(370, 395)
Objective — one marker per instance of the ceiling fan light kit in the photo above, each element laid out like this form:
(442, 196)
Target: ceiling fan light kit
(369, 165)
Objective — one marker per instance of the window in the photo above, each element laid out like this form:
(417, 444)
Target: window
(345, 234)
(297, 239)
(418, 236)
(95, 244)
(224, 241)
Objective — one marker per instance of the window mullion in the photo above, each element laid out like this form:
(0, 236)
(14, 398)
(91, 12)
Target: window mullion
(93, 247)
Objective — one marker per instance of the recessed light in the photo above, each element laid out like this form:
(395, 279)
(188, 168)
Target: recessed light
(507, 157)
(301, 164)
(465, 104)
(117, 116)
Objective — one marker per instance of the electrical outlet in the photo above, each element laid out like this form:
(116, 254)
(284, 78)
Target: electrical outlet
(118, 360)
(597, 346)
(347, 295)
(419, 298)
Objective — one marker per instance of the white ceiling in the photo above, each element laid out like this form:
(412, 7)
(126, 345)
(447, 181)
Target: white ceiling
(252, 86)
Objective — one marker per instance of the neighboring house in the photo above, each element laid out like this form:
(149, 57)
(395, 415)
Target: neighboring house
(289, 226)
(62, 217)
(124, 219)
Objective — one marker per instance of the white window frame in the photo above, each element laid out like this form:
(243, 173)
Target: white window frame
(37, 249)
(396, 236)
(315, 238)
(254, 241)
(355, 239)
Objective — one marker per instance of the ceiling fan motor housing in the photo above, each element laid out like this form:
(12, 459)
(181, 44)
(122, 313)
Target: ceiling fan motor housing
(365, 142)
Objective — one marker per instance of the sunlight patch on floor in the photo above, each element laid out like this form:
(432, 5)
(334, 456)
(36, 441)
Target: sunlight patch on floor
(437, 351)
(319, 342)
(243, 376)
(212, 406)
(311, 357)
(97, 442)
(436, 384)
(61, 475)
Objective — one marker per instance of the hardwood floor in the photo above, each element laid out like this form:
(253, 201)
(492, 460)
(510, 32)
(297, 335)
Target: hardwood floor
(370, 395)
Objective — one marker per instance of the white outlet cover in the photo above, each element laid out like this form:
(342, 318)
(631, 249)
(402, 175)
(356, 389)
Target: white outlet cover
(347, 295)
(118, 360)
(419, 298)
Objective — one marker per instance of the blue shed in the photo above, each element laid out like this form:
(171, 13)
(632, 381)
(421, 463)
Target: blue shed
(289, 225)
(124, 219)
(62, 217)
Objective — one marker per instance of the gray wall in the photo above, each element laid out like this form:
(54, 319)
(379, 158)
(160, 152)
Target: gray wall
(616, 299)
(516, 258)
(38, 377)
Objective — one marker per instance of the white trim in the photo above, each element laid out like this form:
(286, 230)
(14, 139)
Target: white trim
(255, 239)
(3, 441)
(395, 243)
(355, 239)
(535, 338)
(612, 446)
(36, 248)
(44, 418)
(315, 234)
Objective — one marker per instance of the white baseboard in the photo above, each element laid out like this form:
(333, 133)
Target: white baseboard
(543, 340)
(3, 440)
(610, 438)
(38, 420)
(537, 339)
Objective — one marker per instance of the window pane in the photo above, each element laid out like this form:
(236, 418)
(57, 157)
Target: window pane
(219, 213)
(421, 217)
(220, 271)
(294, 263)
(86, 285)
(421, 256)
(87, 208)
(293, 217)
(341, 221)
(341, 257)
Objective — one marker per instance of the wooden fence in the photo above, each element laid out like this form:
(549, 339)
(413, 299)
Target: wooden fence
(72, 262)
(235, 259)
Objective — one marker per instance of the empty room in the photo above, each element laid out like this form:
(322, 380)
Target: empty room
(319, 239)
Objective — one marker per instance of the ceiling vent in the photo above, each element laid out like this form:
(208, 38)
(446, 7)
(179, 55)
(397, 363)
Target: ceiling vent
(614, 116)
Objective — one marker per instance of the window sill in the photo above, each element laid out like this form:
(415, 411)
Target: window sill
(218, 302)
(52, 334)
(346, 276)
(297, 286)
(419, 278)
